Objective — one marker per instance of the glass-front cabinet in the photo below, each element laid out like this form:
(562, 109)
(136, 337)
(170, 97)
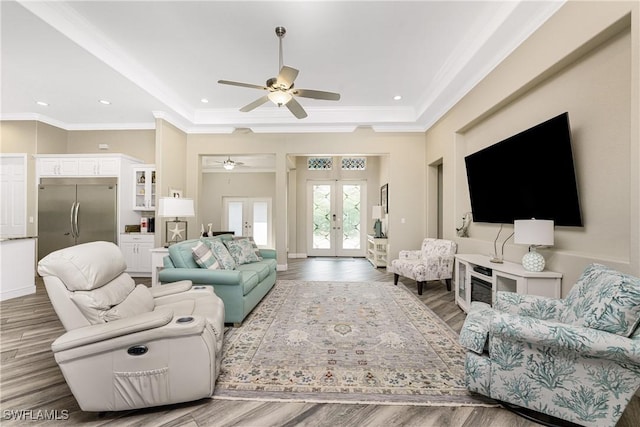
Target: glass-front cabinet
(144, 188)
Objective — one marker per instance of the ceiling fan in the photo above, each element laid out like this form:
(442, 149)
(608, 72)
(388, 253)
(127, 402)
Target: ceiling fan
(228, 164)
(281, 90)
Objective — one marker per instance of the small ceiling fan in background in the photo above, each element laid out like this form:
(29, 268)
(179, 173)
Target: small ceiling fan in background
(281, 89)
(228, 164)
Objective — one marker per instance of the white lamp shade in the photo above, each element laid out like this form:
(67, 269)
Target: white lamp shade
(533, 232)
(376, 212)
(175, 207)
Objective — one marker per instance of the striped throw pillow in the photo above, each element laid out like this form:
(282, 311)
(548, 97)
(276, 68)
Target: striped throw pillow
(204, 257)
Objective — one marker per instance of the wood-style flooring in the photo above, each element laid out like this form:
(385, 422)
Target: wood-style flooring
(30, 380)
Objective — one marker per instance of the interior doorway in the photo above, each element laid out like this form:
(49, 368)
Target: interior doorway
(249, 217)
(336, 218)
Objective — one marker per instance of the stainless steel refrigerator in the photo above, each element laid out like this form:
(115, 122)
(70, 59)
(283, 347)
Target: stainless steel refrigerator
(74, 211)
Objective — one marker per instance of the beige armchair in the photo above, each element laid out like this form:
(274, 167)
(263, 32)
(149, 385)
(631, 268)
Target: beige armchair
(434, 261)
(129, 346)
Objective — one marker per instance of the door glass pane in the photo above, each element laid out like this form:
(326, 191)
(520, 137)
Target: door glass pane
(321, 216)
(235, 218)
(351, 213)
(260, 223)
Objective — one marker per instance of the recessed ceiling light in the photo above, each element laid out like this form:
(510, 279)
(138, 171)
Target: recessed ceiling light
(104, 102)
(42, 103)
(397, 98)
(204, 100)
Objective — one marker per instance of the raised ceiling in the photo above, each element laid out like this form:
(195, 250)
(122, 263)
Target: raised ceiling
(160, 59)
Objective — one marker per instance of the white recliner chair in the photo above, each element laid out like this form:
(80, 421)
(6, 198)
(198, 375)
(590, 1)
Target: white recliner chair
(129, 346)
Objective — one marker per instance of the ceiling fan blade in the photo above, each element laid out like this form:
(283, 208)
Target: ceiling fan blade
(317, 94)
(258, 102)
(296, 108)
(249, 85)
(287, 76)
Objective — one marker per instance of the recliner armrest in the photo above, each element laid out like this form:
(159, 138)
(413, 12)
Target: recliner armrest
(586, 342)
(475, 330)
(171, 288)
(105, 331)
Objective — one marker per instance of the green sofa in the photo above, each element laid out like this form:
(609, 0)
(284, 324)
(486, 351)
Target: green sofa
(240, 289)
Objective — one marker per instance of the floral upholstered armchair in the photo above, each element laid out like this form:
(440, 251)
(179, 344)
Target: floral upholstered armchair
(434, 261)
(576, 358)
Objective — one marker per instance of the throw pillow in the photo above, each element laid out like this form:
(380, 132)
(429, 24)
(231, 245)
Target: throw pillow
(204, 257)
(256, 249)
(604, 299)
(241, 250)
(222, 254)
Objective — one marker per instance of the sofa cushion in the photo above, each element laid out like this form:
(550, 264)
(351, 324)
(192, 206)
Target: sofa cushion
(222, 254)
(260, 268)
(604, 299)
(249, 281)
(204, 257)
(241, 250)
(137, 302)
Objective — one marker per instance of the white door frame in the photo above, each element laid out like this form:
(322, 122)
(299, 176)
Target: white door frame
(247, 214)
(336, 248)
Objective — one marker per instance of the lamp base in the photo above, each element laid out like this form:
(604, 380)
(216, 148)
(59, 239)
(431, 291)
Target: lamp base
(533, 261)
(377, 228)
(175, 231)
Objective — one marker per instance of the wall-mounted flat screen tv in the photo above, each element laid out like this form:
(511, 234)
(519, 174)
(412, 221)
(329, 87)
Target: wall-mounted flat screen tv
(528, 175)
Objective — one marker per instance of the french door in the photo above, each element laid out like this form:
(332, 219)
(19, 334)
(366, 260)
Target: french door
(249, 217)
(336, 218)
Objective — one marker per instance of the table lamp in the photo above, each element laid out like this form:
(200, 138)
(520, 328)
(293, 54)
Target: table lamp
(535, 233)
(175, 207)
(376, 213)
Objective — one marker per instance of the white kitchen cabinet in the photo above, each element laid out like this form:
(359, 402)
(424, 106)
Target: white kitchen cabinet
(108, 166)
(144, 194)
(57, 166)
(136, 249)
(78, 166)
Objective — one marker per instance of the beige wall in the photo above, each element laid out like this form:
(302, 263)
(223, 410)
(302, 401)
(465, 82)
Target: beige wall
(31, 137)
(405, 173)
(171, 166)
(588, 67)
(135, 143)
(216, 186)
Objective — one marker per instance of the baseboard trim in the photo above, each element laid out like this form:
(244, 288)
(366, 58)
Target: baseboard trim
(302, 255)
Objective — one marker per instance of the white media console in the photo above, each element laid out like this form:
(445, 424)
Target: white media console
(478, 279)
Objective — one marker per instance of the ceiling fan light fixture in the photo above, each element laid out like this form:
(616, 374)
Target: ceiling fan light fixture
(229, 164)
(279, 97)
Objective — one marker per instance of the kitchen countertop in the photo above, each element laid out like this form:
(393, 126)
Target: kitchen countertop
(5, 239)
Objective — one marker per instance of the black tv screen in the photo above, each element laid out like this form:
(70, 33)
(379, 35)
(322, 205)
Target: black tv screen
(528, 175)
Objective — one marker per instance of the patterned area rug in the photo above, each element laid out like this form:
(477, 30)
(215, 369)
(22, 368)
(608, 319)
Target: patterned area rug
(344, 342)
